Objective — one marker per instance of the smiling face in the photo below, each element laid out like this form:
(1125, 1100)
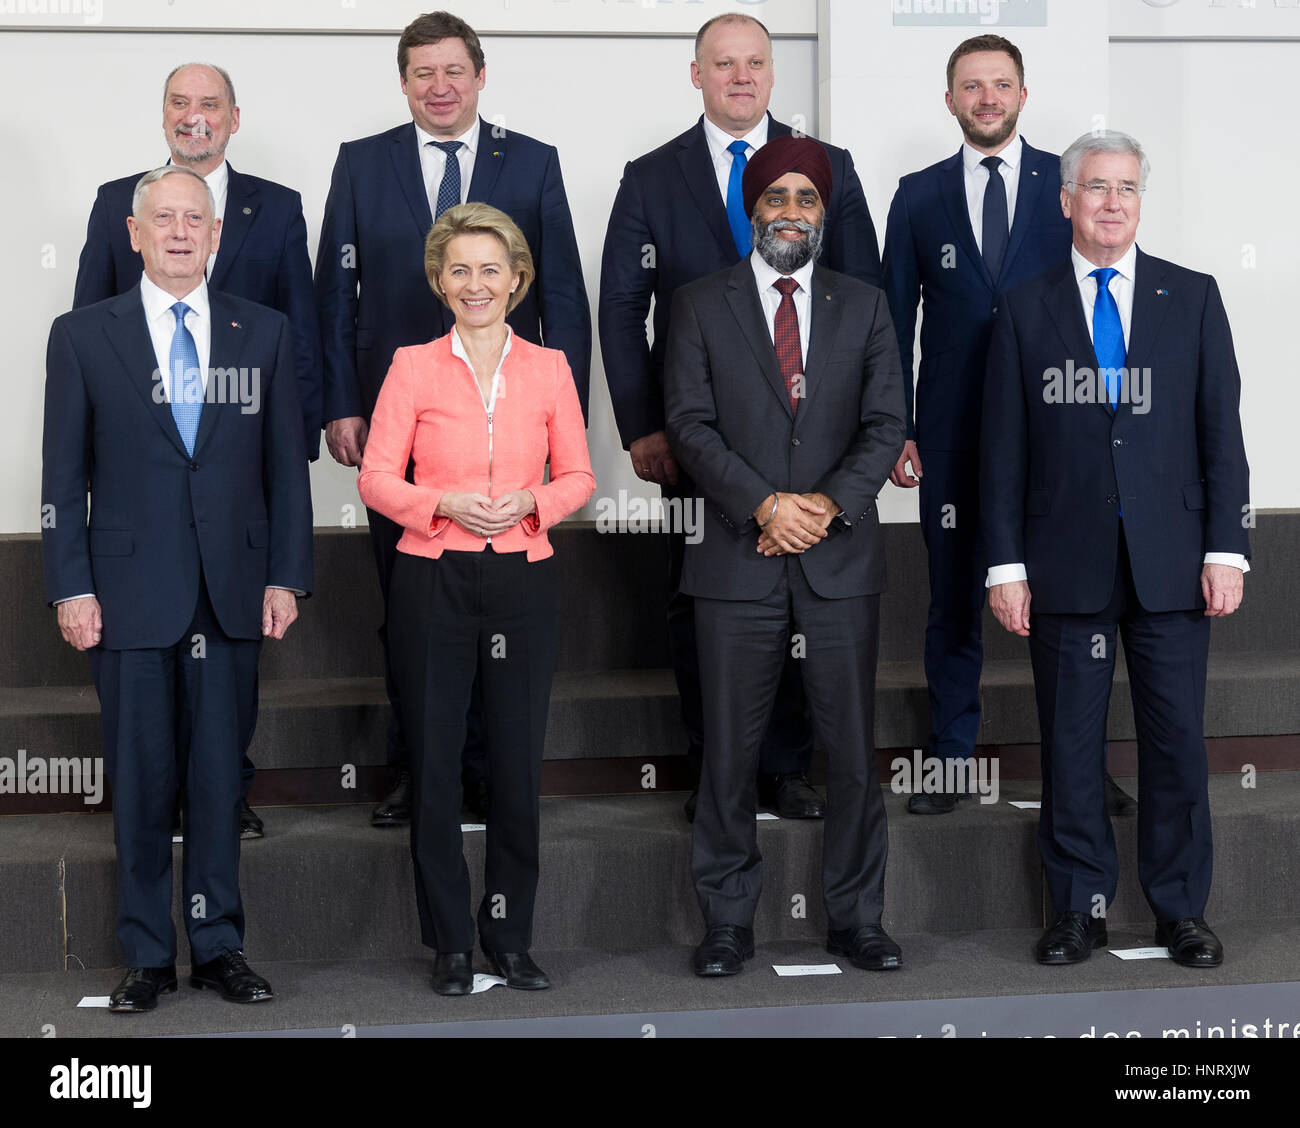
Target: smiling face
(788, 223)
(442, 89)
(175, 233)
(476, 280)
(734, 72)
(198, 118)
(1103, 228)
(986, 99)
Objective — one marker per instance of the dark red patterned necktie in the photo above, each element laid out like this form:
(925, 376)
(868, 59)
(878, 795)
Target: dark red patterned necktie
(789, 351)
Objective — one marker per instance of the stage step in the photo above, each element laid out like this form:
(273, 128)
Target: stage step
(325, 885)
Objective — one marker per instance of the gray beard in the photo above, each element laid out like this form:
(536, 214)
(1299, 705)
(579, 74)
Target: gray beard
(783, 257)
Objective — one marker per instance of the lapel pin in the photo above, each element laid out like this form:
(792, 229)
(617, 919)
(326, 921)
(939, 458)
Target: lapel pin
(1163, 293)
(248, 211)
(1033, 172)
(497, 153)
(235, 325)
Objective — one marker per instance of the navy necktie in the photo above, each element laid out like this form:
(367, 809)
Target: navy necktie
(741, 231)
(996, 225)
(186, 380)
(1108, 333)
(449, 188)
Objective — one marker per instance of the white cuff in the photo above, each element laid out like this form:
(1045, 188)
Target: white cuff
(1232, 559)
(1005, 574)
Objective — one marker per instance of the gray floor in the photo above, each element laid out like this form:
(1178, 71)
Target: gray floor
(975, 982)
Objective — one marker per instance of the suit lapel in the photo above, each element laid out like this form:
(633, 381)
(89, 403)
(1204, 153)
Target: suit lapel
(227, 346)
(488, 162)
(742, 297)
(1149, 309)
(1061, 296)
(410, 176)
(952, 190)
(824, 309)
(1029, 192)
(697, 170)
(128, 334)
(241, 210)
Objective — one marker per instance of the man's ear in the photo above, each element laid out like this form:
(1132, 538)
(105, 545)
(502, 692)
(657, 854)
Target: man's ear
(133, 229)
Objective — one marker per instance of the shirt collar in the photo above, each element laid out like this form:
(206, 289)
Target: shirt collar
(217, 179)
(765, 275)
(469, 138)
(719, 139)
(458, 347)
(1126, 267)
(158, 301)
(1011, 152)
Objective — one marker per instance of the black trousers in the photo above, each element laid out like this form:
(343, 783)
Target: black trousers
(787, 743)
(384, 535)
(187, 705)
(1073, 658)
(462, 615)
(743, 647)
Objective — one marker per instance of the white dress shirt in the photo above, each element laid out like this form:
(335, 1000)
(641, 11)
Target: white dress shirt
(218, 181)
(770, 297)
(489, 404)
(1121, 289)
(433, 162)
(162, 327)
(976, 178)
(719, 139)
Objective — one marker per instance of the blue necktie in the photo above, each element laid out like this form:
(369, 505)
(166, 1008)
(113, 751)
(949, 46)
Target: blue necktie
(996, 226)
(449, 189)
(187, 380)
(1108, 333)
(741, 231)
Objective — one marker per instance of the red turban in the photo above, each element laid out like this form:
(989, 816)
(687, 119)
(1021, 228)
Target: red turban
(786, 154)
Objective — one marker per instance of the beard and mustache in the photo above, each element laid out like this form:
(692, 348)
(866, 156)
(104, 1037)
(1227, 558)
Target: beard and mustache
(782, 256)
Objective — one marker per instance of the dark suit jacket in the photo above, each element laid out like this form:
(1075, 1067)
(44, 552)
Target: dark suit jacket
(669, 227)
(1055, 475)
(240, 509)
(930, 254)
(262, 257)
(730, 425)
(378, 210)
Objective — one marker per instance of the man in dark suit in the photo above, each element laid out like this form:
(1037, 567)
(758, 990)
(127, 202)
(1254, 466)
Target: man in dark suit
(263, 253)
(1114, 488)
(678, 216)
(958, 236)
(386, 193)
(178, 405)
(785, 405)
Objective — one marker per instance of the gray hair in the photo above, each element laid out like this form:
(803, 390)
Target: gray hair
(1103, 141)
(137, 197)
(230, 86)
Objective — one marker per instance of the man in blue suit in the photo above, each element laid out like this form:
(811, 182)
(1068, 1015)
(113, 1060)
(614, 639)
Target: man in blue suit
(263, 254)
(177, 404)
(386, 193)
(679, 216)
(957, 236)
(1115, 494)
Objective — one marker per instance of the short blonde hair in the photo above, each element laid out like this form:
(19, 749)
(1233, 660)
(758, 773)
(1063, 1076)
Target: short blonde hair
(478, 219)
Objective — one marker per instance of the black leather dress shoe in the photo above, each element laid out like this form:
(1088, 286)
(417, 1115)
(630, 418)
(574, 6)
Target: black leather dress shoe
(1071, 939)
(688, 808)
(475, 800)
(1190, 942)
(518, 970)
(230, 974)
(453, 973)
(791, 796)
(1119, 801)
(394, 809)
(724, 950)
(932, 803)
(250, 826)
(140, 988)
(868, 947)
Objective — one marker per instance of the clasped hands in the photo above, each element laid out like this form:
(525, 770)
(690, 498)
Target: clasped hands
(800, 521)
(482, 516)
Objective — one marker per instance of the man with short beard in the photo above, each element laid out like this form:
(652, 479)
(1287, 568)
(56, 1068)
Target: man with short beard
(784, 403)
(958, 235)
(263, 253)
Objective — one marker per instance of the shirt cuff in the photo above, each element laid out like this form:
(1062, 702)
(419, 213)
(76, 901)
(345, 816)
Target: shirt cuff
(1005, 574)
(1232, 559)
(87, 595)
(281, 587)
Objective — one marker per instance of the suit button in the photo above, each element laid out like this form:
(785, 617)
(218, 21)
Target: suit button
(194, 465)
(794, 442)
(995, 309)
(1111, 500)
(1118, 443)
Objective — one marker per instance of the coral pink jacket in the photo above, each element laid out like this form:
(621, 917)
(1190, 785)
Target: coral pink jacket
(429, 407)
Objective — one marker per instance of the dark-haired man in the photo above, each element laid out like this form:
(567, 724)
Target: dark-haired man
(371, 289)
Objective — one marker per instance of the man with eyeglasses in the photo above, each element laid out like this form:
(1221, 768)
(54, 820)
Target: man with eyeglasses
(1115, 495)
(961, 232)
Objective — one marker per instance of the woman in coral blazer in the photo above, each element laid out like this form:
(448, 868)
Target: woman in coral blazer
(480, 411)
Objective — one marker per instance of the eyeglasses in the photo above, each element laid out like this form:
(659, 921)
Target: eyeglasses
(1100, 190)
